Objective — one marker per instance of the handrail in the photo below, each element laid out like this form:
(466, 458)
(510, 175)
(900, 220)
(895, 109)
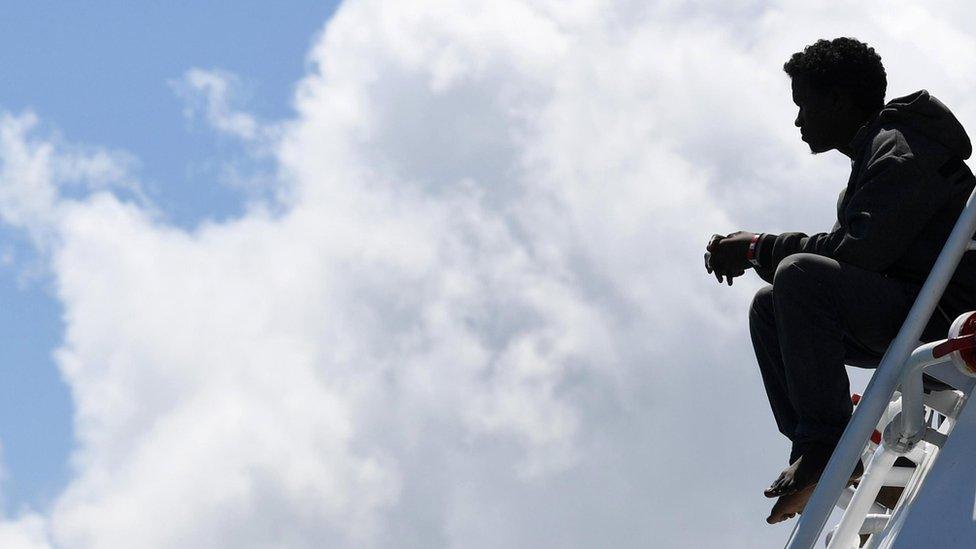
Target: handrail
(901, 436)
(912, 410)
(883, 383)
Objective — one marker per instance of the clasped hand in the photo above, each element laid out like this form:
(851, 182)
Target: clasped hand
(726, 255)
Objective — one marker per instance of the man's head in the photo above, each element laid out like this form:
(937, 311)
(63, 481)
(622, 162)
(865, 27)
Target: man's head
(839, 85)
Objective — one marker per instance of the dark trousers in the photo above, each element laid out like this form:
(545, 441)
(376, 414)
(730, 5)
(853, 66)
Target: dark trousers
(819, 315)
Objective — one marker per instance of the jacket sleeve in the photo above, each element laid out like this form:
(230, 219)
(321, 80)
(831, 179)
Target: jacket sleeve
(890, 206)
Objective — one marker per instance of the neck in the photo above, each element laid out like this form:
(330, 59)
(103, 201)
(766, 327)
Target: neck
(847, 150)
(850, 130)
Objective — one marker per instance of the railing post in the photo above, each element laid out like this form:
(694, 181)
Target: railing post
(883, 383)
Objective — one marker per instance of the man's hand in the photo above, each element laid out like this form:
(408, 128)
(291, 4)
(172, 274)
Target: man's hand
(727, 255)
(719, 274)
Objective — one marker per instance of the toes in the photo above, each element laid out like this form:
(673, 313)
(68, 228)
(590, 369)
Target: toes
(778, 514)
(781, 489)
(775, 489)
(775, 518)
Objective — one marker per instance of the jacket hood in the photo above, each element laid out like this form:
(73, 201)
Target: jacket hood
(930, 117)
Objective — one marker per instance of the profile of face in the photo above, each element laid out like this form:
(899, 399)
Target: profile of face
(818, 116)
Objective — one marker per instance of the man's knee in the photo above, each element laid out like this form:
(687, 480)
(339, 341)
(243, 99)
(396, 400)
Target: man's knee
(802, 270)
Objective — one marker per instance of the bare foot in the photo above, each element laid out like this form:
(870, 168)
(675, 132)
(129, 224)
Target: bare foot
(806, 470)
(803, 472)
(790, 505)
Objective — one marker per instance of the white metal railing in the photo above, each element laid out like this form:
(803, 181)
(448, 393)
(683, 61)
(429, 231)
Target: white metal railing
(883, 383)
(906, 434)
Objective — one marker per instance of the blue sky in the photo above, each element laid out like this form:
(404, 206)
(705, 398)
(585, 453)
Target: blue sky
(99, 73)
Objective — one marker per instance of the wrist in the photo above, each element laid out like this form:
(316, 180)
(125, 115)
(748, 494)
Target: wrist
(752, 253)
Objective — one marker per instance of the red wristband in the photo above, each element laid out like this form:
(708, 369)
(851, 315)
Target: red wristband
(751, 254)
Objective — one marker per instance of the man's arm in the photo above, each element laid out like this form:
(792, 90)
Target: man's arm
(887, 211)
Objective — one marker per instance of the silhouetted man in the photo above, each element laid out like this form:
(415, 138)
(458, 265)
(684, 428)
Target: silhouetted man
(841, 296)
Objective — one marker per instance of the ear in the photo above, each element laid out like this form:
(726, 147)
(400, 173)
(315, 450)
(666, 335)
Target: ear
(836, 99)
(839, 100)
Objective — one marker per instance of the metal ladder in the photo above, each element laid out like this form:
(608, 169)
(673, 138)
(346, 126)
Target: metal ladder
(917, 431)
(888, 448)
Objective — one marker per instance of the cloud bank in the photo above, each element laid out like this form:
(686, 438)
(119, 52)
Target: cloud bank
(474, 313)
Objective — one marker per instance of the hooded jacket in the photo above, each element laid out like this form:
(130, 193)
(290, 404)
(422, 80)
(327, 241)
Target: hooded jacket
(907, 187)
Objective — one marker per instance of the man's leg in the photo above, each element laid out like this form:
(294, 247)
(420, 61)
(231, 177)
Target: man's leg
(765, 342)
(823, 308)
(825, 311)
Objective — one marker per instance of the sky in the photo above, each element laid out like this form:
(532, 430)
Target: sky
(405, 274)
(100, 74)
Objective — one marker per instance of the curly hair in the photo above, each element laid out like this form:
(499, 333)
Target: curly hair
(845, 63)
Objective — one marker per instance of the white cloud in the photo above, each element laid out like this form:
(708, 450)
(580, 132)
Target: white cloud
(25, 532)
(27, 193)
(213, 94)
(482, 318)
